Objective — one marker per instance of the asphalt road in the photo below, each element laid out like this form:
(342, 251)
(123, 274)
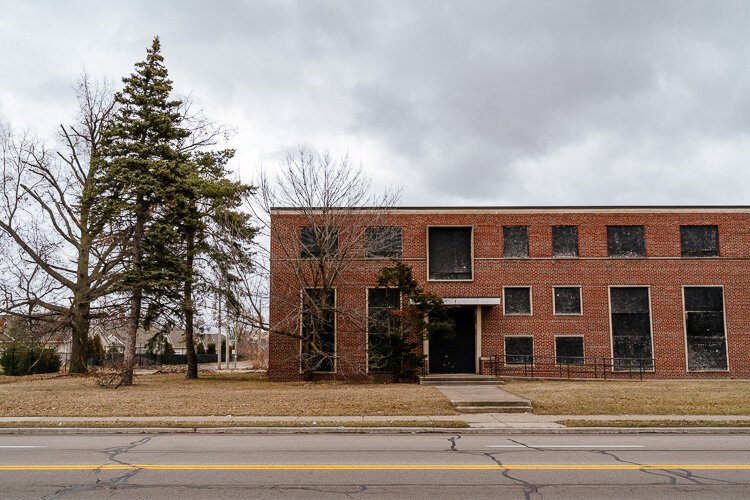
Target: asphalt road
(333, 466)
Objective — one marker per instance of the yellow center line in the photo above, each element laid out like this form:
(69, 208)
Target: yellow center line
(374, 467)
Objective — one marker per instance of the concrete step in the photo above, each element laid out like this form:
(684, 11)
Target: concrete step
(461, 382)
(474, 402)
(460, 379)
(494, 409)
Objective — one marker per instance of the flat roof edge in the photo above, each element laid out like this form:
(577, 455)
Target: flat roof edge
(480, 208)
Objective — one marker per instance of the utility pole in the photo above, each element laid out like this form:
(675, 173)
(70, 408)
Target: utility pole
(227, 349)
(218, 335)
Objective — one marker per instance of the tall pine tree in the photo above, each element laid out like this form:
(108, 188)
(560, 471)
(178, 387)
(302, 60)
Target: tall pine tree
(214, 230)
(142, 172)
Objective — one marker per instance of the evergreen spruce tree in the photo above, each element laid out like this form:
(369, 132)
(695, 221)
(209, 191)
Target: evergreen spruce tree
(211, 228)
(142, 172)
(407, 326)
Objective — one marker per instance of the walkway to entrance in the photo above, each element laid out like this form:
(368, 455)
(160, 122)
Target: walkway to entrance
(480, 395)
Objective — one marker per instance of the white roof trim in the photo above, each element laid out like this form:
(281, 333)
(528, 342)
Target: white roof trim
(471, 301)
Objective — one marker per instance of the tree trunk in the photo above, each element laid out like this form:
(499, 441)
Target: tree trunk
(81, 307)
(79, 337)
(136, 298)
(187, 306)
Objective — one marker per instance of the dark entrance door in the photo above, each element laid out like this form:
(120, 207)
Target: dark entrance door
(455, 353)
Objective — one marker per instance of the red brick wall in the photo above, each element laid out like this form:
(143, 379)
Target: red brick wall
(663, 270)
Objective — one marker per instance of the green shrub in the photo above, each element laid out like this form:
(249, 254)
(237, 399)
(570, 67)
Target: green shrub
(25, 359)
(199, 349)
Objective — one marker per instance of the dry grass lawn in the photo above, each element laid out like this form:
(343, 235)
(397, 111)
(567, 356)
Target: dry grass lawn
(212, 394)
(673, 397)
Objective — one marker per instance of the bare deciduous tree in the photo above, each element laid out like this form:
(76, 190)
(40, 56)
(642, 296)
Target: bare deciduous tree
(330, 204)
(57, 263)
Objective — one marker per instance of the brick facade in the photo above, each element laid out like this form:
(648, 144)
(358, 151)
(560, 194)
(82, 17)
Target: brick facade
(662, 270)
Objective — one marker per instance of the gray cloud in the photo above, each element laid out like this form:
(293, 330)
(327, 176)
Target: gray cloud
(506, 102)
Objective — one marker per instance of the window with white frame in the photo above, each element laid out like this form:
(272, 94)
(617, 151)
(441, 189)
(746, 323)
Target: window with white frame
(567, 300)
(517, 300)
(519, 350)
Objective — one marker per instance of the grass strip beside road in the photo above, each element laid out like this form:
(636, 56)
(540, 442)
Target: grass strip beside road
(648, 397)
(655, 423)
(452, 424)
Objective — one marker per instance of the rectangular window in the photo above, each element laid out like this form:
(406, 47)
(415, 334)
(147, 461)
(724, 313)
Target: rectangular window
(699, 241)
(318, 241)
(519, 350)
(569, 350)
(515, 242)
(565, 241)
(385, 242)
(319, 329)
(567, 300)
(704, 327)
(626, 241)
(517, 300)
(381, 323)
(450, 253)
(631, 328)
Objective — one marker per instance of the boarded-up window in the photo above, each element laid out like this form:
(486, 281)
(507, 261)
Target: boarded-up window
(699, 241)
(519, 350)
(381, 323)
(515, 241)
(517, 300)
(318, 241)
(565, 241)
(626, 241)
(567, 300)
(704, 325)
(450, 253)
(631, 328)
(319, 329)
(383, 242)
(569, 350)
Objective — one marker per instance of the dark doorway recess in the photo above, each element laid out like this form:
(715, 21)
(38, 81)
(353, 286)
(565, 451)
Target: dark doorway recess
(454, 353)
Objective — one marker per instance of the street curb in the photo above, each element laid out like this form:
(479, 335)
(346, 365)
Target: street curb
(371, 430)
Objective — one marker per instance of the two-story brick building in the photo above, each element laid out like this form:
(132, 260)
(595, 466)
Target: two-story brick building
(663, 289)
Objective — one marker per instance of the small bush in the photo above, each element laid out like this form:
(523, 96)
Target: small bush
(199, 349)
(26, 359)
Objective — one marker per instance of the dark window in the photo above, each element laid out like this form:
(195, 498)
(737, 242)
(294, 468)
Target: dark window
(704, 322)
(383, 242)
(381, 323)
(569, 350)
(515, 241)
(319, 329)
(567, 300)
(318, 241)
(699, 241)
(626, 241)
(450, 253)
(517, 300)
(519, 350)
(565, 241)
(631, 328)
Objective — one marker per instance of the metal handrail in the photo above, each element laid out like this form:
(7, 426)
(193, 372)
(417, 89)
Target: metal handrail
(570, 366)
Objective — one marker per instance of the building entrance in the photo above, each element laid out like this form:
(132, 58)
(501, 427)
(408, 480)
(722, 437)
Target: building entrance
(454, 353)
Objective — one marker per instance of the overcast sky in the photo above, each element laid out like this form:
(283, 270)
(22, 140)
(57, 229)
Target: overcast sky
(461, 103)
